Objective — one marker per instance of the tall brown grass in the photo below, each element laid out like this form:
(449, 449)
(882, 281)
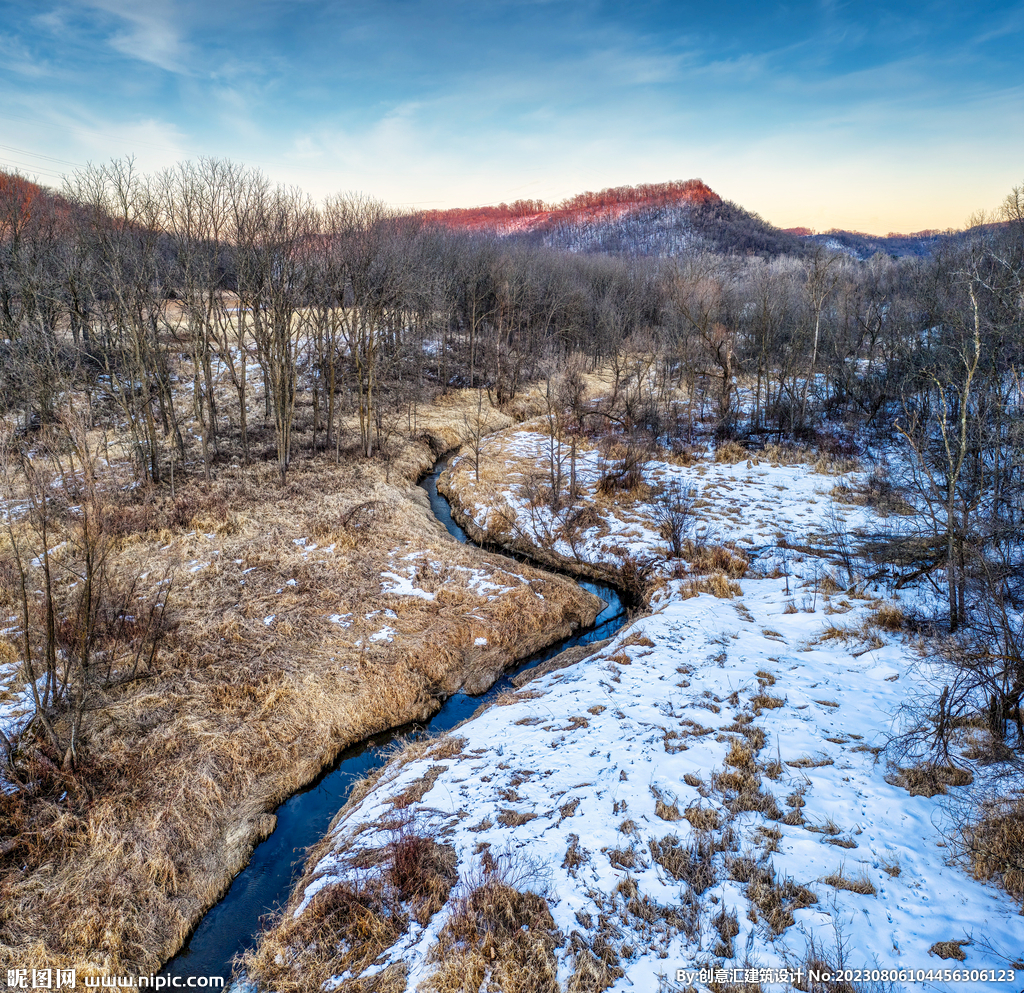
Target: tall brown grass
(254, 692)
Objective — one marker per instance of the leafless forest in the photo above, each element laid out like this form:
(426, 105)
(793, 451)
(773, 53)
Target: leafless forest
(189, 343)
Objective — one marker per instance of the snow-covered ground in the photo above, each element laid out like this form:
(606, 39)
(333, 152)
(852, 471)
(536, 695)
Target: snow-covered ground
(752, 502)
(16, 704)
(707, 790)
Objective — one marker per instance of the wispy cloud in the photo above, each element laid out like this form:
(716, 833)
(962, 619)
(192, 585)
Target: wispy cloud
(150, 32)
(457, 100)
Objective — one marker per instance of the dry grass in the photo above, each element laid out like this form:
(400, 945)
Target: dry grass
(855, 884)
(891, 865)
(349, 924)
(109, 867)
(949, 950)
(928, 779)
(731, 452)
(717, 585)
(499, 936)
(994, 841)
(667, 812)
(889, 617)
(815, 761)
(703, 818)
(575, 854)
(693, 864)
(716, 559)
(774, 899)
(514, 818)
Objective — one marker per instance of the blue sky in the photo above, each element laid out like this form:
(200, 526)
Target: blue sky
(875, 116)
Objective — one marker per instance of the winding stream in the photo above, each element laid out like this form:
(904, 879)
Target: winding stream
(231, 925)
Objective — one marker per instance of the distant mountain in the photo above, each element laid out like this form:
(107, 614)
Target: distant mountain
(609, 204)
(863, 246)
(671, 218)
(652, 219)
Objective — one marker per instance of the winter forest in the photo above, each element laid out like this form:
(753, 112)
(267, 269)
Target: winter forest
(792, 462)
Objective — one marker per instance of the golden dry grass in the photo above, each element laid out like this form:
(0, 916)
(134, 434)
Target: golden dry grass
(496, 937)
(855, 884)
(994, 840)
(889, 617)
(109, 867)
(348, 925)
(773, 898)
(949, 950)
(929, 779)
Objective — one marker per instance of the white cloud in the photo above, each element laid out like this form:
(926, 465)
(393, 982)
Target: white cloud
(152, 32)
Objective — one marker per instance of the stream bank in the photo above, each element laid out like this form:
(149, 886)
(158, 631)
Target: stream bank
(231, 926)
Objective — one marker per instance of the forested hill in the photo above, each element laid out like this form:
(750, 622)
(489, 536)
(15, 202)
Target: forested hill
(583, 208)
(863, 246)
(650, 219)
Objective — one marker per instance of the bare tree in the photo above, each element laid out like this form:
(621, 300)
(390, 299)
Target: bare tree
(85, 626)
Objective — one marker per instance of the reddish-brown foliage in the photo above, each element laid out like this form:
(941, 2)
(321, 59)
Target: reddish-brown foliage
(612, 201)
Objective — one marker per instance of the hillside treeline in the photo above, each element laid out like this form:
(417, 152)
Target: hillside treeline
(123, 283)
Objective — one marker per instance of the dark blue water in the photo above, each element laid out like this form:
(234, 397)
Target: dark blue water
(231, 926)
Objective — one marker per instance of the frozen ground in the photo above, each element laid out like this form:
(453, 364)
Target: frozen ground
(753, 502)
(16, 705)
(615, 753)
(708, 790)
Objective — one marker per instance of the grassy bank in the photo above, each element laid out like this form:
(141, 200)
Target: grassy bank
(303, 619)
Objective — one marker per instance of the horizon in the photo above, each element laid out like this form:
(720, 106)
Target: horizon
(811, 114)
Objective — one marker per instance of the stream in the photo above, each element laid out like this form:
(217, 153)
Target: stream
(231, 926)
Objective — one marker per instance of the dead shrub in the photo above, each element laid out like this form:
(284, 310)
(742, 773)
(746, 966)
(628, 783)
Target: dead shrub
(626, 475)
(635, 575)
(929, 779)
(889, 617)
(423, 873)
(349, 924)
(345, 928)
(674, 515)
(583, 519)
